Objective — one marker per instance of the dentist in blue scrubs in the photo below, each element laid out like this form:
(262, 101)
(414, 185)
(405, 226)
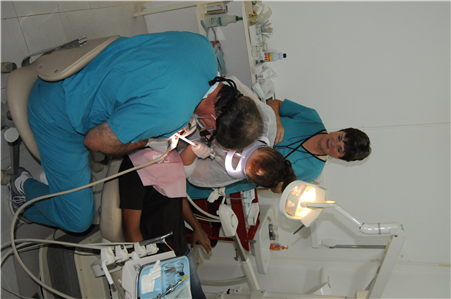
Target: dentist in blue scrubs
(142, 87)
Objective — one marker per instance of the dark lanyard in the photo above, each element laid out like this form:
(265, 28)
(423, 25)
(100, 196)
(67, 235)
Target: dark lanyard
(300, 141)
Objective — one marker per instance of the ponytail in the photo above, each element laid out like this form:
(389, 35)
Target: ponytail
(269, 168)
(289, 175)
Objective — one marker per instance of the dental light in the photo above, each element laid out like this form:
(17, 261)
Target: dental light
(305, 201)
(295, 198)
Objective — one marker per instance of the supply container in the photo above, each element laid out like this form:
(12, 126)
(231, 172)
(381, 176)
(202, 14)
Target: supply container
(215, 8)
(263, 16)
(264, 88)
(258, 53)
(266, 74)
(273, 56)
(221, 20)
(259, 68)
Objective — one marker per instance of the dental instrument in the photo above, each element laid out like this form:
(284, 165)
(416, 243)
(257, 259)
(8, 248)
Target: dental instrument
(154, 240)
(185, 139)
(212, 155)
(174, 287)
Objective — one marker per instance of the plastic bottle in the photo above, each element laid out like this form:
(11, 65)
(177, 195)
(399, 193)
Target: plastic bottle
(221, 20)
(273, 56)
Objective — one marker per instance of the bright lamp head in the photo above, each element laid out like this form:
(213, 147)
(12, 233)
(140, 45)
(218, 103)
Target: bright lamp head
(301, 192)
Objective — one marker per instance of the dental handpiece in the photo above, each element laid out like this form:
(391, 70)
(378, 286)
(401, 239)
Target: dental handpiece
(212, 155)
(155, 240)
(173, 287)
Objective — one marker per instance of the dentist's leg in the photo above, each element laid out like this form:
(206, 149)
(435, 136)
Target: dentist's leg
(64, 159)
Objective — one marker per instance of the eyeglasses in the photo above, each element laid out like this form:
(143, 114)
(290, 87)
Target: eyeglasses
(206, 121)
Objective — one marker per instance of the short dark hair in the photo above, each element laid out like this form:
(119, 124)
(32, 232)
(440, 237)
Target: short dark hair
(269, 168)
(357, 145)
(239, 122)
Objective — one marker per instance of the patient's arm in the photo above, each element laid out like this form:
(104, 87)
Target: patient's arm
(130, 225)
(102, 139)
(199, 234)
(275, 105)
(188, 156)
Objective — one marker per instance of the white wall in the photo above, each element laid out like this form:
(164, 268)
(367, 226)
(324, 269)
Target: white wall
(382, 67)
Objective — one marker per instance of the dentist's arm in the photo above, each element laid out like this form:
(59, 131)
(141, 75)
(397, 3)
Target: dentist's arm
(102, 139)
(275, 105)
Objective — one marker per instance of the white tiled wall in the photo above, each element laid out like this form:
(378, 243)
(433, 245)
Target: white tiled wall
(29, 27)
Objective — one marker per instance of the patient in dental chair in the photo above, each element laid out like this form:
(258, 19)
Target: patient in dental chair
(155, 210)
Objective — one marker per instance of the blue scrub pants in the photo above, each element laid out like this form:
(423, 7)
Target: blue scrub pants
(65, 161)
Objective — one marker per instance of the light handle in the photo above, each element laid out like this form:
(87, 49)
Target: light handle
(390, 228)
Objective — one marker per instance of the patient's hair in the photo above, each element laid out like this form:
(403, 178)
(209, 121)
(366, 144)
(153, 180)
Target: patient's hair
(357, 145)
(239, 122)
(269, 168)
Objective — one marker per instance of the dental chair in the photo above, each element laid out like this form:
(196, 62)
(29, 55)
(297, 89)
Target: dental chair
(51, 66)
(111, 217)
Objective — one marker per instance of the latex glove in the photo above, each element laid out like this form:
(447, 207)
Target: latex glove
(173, 141)
(199, 236)
(159, 145)
(201, 150)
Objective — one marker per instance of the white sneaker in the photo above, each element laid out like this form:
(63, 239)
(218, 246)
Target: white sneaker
(43, 178)
(16, 190)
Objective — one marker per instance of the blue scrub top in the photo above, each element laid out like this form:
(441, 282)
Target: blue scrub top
(146, 86)
(300, 123)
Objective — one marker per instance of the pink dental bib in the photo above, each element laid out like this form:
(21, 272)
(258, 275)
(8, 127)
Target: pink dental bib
(167, 176)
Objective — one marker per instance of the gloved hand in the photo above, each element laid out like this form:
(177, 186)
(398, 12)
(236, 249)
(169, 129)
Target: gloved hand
(159, 145)
(201, 150)
(173, 141)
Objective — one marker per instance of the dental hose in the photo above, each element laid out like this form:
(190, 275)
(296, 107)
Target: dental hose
(15, 217)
